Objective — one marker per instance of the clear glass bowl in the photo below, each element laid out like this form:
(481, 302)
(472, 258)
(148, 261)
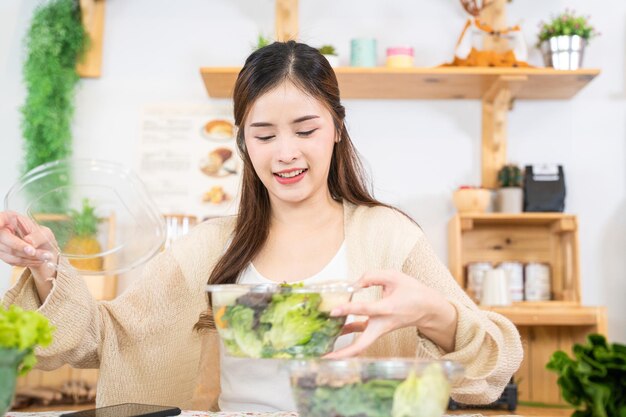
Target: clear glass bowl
(363, 387)
(120, 228)
(278, 321)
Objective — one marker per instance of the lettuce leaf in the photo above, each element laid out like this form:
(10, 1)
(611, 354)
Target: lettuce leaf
(23, 331)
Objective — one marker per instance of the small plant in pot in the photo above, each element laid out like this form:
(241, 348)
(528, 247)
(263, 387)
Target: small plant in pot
(562, 41)
(510, 196)
(330, 54)
(20, 332)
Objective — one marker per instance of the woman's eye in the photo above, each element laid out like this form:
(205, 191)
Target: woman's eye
(264, 137)
(307, 133)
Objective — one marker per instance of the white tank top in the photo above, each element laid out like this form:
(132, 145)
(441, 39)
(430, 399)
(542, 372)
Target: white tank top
(260, 385)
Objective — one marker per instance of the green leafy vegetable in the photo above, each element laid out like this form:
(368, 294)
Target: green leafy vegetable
(417, 396)
(23, 331)
(424, 396)
(281, 325)
(594, 381)
(373, 398)
(55, 42)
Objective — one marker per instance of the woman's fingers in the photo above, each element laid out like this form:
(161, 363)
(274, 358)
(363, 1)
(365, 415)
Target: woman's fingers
(360, 344)
(361, 309)
(354, 327)
(383, 278)
(9, 240)
(18, 260)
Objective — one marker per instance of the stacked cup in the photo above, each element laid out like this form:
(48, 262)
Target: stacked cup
(475, 275)
(537, 282)
(515, 274)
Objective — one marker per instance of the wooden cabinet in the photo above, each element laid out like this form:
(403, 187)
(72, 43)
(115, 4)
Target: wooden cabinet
(545, 326)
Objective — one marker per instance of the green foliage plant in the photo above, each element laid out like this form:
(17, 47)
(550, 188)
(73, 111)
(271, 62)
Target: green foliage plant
(594, 381)
(510, 176)
(327, 50)
(261, 41)
(55, 42)
(566, 24)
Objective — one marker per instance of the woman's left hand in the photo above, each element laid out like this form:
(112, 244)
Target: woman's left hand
(405, 302)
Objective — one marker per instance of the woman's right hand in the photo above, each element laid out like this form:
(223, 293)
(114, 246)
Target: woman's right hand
(26, 244)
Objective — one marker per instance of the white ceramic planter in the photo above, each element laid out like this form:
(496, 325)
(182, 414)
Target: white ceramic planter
(510, 200)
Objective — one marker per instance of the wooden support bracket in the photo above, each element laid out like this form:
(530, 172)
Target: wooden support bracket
(286, 20)
(496, 104)
(93, 19)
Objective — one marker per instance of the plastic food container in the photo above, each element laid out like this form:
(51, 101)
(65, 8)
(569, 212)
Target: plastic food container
(362, 387)
(278, 321)
(400, 57)
(103, 220)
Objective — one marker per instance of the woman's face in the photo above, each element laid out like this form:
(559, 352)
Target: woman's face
(290, 138)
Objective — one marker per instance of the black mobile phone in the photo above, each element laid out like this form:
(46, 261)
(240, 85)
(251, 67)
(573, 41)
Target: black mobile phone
(127, 410)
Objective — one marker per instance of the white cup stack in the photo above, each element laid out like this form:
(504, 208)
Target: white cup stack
(538, 285)
(475, 277)
(496, 291)
(515, 274)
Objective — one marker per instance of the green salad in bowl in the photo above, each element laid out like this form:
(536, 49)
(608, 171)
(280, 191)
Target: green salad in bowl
(361, 387)
(278, 321)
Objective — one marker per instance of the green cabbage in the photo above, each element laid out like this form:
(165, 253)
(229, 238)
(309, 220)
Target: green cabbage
(424, 396)
(288, 325)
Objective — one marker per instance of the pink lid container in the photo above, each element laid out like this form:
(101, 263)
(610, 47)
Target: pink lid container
(400, 50)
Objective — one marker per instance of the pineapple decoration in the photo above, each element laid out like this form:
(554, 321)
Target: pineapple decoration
(84, 241)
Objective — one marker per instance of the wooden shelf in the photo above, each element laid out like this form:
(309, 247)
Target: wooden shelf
(92, 14)
(552, 314)
(558, 221)
(432, 83)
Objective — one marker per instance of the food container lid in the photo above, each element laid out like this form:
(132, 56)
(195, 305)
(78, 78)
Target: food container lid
(400, 50)
(366, 368)
(100, 213)
(327, 287)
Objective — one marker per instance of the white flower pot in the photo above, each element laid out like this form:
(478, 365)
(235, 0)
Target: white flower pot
(333, 60)
(510, 200)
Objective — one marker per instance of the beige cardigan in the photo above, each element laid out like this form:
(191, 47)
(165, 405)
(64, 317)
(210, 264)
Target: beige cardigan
(147, 352)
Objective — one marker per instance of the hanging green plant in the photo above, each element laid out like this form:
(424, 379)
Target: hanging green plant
(55, 42)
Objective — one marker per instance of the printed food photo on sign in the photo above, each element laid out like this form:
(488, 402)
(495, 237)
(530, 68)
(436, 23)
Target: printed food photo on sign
(218, 130)
(220, 162)
(215, 195)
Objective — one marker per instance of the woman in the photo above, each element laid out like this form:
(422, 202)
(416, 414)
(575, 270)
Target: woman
(305, 215)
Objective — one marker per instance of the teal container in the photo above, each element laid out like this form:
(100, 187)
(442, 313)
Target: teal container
(10, 360)
(363, 52)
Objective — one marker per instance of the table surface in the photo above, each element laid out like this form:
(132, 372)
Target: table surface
(184, 414)
(521, 411)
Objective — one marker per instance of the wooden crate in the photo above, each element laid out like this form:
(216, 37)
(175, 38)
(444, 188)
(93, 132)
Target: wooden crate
(545, 326)
(535, 382)
(550, 238)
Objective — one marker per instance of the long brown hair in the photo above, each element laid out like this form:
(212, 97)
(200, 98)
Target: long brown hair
(265, 69)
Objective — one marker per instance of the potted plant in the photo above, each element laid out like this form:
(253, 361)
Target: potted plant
(594, 380)
(261, 41)
(20, 332)
(468, 199)
(330, 54)
(510, 195)
(562, 40)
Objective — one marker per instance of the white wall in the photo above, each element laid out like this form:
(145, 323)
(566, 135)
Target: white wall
(418, 151)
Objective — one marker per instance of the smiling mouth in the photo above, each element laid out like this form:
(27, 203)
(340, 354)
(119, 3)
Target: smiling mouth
(290, 174)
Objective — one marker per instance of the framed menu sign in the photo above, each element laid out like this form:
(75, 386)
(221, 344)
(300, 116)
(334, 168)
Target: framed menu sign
(188, 158)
